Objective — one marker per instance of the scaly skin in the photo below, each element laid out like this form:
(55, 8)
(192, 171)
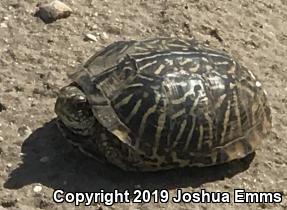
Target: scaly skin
(73, 110)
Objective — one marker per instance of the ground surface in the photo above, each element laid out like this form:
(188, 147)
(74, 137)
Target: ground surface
(35, 59)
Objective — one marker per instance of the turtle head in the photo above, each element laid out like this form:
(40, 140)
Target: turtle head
(72, 108)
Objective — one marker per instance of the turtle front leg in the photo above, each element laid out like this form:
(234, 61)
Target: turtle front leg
(125, 157)
(116, 153)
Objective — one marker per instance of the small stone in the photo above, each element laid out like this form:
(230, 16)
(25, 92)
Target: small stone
(50, 12)
(258, 84)
(9, 165)
(90, 37)
(1, 139)
(95, 27)
(104, 36)
(37, 189)
(3, 25)
(44, 159)
(24, 131)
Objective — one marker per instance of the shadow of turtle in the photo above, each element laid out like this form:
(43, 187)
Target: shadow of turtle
(48, 159)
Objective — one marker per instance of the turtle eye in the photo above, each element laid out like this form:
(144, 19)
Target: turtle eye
(79, 101)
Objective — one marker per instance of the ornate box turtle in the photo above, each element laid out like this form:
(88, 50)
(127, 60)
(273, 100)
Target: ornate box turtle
(163, 103)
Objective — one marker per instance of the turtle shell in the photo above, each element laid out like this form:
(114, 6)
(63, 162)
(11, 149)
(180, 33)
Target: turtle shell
(176, 99)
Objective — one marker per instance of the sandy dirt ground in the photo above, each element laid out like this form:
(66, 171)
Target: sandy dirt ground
(35, 59)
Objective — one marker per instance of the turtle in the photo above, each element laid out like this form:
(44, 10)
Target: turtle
(163, 103)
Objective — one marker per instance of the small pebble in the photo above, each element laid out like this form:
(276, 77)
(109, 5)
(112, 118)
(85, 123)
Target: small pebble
(44, 159)
(24, 131)
(258, 84)
(1, 139)
(90, 37)
(104, 36)
(9, 165)
(50, 12)
(37, 189)
(3, 25)
(95, 27)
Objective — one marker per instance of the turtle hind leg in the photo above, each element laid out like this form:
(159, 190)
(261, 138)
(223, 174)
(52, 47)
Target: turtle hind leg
(127, 158)
(237, 149)
(114, 152)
